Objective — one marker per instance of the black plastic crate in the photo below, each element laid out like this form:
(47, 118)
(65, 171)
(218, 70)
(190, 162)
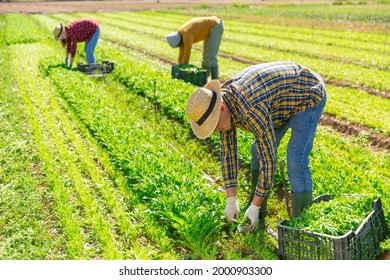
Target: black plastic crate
(363, 244)
(105, 67)
(190, 73)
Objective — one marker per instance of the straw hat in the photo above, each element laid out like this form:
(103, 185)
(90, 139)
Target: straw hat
(203, 108)
(174, 39)
(58, 30)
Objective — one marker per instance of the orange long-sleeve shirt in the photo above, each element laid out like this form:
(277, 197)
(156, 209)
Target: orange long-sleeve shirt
(193, 31)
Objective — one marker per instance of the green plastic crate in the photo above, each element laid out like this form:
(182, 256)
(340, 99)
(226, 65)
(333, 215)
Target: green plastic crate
(190, 73)
(363, 244)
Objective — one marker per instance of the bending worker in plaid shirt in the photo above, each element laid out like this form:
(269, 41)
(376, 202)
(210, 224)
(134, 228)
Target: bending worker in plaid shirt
(82, 30)
(265, 99)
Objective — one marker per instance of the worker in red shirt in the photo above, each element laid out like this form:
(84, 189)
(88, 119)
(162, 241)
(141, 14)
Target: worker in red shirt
(206, 29)
(82, 30)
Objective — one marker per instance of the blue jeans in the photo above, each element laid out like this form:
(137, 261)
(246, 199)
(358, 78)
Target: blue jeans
(211, 46)
(303, 128)
(90, 46)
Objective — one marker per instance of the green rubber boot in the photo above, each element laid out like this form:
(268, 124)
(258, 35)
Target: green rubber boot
(254, 179)
(214, 72)
(300, 201)
(208, 70)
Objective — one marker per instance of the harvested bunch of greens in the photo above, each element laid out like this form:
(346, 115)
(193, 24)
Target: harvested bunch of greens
(188, 67)
(190, 73)
(335, 217)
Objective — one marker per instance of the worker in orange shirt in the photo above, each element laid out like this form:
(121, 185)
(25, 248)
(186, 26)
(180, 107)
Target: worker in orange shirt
(206, 29)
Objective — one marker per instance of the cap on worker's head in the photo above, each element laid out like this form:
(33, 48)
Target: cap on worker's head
(203, 109)
(174, 39)
(58, 30)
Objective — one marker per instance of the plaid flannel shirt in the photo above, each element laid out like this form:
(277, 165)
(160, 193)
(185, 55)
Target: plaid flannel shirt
(260, 98)
(80, 30)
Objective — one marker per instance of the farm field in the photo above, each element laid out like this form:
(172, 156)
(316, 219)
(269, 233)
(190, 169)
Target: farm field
(108, 168)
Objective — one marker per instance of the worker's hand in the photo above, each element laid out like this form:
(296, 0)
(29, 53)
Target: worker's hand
(231, 210)
(252, 213)
(66, 61)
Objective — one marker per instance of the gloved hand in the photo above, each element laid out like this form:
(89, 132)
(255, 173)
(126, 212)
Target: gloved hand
(252, 213)
(231, 210)
(66, 61)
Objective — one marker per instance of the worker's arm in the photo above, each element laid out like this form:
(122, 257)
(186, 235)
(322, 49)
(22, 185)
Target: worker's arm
(267, 157)
(266, 148)
(71, 49)
(181, 54)
(258, 200)
(229, 171)
(230, 192)
(67, 59)
(71, 61)
(185, 47)
(229, 161)
(185, 59)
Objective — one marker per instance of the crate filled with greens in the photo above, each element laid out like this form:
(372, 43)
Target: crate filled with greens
(349, 227)
(190, 73)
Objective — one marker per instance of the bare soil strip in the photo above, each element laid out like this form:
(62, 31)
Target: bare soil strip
(383, 93)
(354, 129)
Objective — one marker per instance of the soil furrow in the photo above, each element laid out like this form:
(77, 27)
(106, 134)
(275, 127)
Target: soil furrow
(354, 129)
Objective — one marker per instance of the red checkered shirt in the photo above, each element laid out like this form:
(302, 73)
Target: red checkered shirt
(80, 30)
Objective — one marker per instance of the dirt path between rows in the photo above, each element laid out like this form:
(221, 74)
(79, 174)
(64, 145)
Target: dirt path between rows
(354, 129)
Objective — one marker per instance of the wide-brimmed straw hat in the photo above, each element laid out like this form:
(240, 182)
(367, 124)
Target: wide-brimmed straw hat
(174, 39)
(203, 109)
(58, 30)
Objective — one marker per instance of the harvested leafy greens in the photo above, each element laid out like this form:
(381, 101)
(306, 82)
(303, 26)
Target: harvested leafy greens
(335, 217)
